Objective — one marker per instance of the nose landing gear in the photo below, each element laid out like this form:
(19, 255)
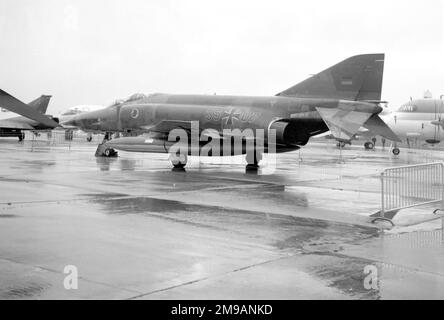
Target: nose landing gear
(103, 150)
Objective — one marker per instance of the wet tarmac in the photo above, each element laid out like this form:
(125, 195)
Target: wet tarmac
(135, 229)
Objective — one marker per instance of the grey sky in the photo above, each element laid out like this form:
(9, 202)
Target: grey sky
(92, 52)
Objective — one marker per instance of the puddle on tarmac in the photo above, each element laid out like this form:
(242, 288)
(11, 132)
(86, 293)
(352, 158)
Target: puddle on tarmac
(29, 290)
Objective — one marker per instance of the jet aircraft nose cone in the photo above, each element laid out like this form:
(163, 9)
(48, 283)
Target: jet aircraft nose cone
(68, 123)
(71, 121)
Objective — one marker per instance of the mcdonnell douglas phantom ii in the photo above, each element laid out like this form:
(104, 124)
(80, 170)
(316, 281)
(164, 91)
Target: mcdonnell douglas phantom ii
(340, 99)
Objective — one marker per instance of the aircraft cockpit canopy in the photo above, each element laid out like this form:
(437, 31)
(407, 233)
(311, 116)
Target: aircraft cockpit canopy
(135, 97)
(71, 112)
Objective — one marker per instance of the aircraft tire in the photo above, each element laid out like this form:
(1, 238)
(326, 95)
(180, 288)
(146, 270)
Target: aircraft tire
(369, 146)
(396, 151)
(109, 152)
(89, 138)
(252, 167)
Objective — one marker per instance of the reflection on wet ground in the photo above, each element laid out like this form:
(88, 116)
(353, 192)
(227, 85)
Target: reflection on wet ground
(137, 229)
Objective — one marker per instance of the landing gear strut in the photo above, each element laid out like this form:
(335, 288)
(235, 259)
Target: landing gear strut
(103, 150)
(253, 158)
(179, 160)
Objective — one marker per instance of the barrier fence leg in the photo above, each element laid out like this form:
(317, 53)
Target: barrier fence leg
(382, 196)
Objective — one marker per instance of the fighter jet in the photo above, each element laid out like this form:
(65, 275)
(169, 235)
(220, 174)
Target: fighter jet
(341, 99)
(32, 116)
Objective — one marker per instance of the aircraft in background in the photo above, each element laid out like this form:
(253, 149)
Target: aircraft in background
(341, 99)
(32, 116)
(418, 121)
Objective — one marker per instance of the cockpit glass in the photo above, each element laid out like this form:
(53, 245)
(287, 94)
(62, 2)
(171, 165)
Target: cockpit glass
(135, 97)
(71, 112)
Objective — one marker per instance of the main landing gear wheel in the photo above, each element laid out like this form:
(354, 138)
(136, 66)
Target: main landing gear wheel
(369, 146)
(110, 152)
(396, 151)
(179, 161)
(341, 144)
(89, 138)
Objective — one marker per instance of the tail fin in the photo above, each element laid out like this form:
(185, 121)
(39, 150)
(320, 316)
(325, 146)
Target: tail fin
(13, 104)
(40, 104)
(357, 78)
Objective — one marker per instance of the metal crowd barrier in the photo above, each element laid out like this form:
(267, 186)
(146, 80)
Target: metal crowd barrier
(58, 138)
(410, 186)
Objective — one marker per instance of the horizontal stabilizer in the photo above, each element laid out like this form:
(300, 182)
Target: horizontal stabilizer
(12, 104)
(343, 124)
(15, 124)
(378, 127)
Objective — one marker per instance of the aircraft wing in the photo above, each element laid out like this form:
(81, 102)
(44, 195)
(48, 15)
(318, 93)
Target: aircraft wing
(438, 123)
(15, 124)
(165, 126)
(12, 104)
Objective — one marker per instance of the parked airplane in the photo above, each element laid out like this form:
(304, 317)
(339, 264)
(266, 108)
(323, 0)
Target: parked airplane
(33, 116)
(341, 99)
(420, 120)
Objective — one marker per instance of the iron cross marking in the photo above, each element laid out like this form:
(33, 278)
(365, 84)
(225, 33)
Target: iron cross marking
(230, 116)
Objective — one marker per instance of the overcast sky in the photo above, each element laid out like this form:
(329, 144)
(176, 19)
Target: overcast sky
(94, 51)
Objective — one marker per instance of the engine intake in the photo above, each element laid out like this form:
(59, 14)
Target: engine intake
(290, 134)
